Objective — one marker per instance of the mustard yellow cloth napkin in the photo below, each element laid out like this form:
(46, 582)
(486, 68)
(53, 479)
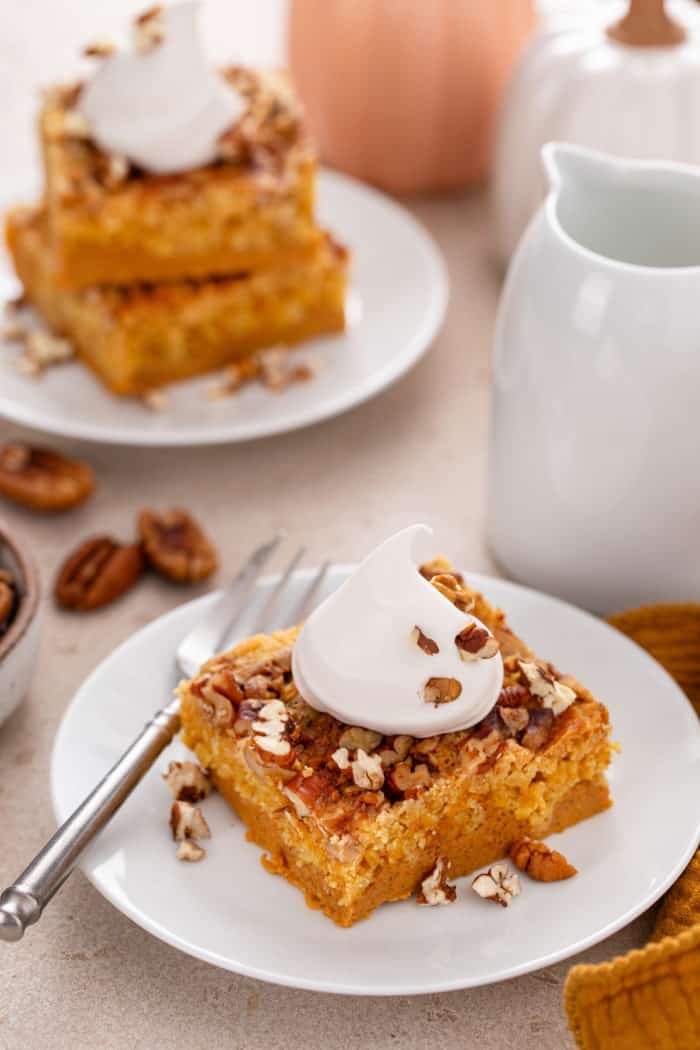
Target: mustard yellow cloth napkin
(649, 999)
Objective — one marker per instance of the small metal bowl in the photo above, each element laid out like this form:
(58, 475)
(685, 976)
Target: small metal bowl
(20, 643)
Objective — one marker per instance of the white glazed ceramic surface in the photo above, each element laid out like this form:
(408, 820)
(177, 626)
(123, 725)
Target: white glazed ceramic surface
(20, 645)
(230, 912)
(595, 430)
(397, 301)
(573, 84)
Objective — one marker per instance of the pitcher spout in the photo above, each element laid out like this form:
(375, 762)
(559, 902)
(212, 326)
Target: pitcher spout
(568, 166)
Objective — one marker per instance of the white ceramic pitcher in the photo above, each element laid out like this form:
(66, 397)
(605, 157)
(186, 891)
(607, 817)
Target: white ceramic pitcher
(595, 451)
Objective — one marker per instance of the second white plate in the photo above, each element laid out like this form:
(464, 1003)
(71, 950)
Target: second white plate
(397, 301)
(228, 911)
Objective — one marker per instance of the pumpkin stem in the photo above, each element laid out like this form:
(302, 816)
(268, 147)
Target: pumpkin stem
(647, 24)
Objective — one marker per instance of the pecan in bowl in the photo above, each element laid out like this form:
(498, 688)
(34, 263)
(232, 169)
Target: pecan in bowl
(8, 596)
(42, 479)
(176, 546)
(98, 572)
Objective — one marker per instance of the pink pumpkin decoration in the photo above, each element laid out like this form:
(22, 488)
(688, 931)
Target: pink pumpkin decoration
(405, 93)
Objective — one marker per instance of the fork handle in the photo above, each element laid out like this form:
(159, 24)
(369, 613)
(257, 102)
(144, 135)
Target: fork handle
(22, 903)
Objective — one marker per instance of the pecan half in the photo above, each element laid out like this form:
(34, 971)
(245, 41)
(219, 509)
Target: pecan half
(441, 690)
(475, 643)
(540, 862)
(429, 646)
(176, 546)
(187, 781)
(99, 571)
(42, 479)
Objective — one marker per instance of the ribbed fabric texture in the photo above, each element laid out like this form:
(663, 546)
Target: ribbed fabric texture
(649, 999)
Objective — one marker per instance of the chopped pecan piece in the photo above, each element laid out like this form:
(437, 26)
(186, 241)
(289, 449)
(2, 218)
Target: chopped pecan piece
(100, 570)
(176, 546)
(239, 372)
(270, 732)
(187, 781)
(246, 714)
(396, 750)
(441, 690)
(475, 643)
(224, 681)
(112, 169)
(513, 696)
(306, 791)
(405, 781)
(191, 851)
(187, 822)
(540, 862)
(341, 757)
(99, 49)
(148, 29)
(429, 646)
(258, 687)
(435, 889)
(491, 723)
(43, 480)
(449, 586)
(542, 683)
(539, 728)
(498, 884)
(354, 737)
(439, 567)
(42, 350)
(155, 400)
(215, 698)
(515, 718)
(367, 770)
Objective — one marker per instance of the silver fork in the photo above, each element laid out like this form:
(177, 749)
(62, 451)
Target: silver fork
(22, 903)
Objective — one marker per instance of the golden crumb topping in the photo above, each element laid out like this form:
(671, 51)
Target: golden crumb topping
(340, 772)
(269, 139)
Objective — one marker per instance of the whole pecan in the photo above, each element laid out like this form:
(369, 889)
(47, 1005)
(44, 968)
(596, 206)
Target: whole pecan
(100, 570)
(176, 546)
(540, 862)
(42, 479)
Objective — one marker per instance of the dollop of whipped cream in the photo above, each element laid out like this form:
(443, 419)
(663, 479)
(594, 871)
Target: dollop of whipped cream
(357, 656)
(164, 108)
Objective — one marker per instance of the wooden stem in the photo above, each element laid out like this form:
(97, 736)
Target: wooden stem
(647, 24)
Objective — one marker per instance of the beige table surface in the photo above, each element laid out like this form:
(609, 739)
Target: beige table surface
(86, 978)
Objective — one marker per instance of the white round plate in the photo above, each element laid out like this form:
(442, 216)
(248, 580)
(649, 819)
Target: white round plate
(396, 304)
(229, 911)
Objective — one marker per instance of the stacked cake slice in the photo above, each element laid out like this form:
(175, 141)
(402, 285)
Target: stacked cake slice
(156, 278)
